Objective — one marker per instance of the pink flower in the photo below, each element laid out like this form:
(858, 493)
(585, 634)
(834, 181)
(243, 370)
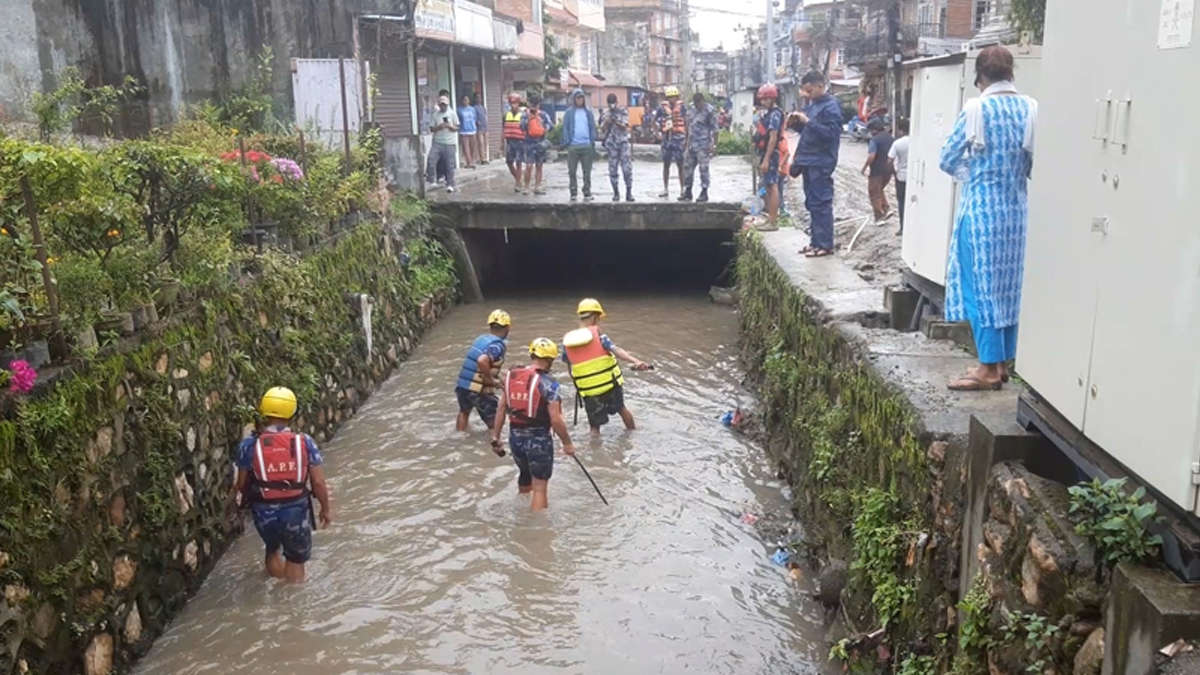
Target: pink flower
(22, 377)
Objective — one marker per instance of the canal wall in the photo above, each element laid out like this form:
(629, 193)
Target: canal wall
(940, 527)
(115, 500)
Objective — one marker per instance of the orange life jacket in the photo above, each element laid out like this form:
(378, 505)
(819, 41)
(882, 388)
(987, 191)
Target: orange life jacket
(525, 405)
(280, 467)
(537, 129)
(678, 121)
(512, 126)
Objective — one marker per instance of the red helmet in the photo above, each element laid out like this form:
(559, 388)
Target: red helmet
(768, 90)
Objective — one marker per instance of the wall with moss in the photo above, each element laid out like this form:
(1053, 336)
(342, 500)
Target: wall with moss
(115, 475)
(873, 491)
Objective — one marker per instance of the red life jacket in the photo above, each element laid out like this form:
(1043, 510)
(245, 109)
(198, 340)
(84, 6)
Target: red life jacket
(280, 467)
(525, 405)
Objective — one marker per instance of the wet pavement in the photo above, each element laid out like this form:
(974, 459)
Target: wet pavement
(435, 565)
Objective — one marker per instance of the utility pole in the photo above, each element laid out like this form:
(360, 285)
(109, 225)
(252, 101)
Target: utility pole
(897, 59)
(769, 74)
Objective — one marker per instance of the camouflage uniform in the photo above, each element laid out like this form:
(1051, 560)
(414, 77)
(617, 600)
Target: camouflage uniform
(702, 133)
(616, 142)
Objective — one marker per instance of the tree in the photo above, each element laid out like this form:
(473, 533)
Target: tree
(1029, 15)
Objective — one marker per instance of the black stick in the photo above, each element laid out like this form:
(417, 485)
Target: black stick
(589, 477)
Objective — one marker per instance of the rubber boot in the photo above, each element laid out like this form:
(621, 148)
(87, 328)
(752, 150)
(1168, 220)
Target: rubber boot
(703, 195)
(616, 191)
(687, 195)
(629, 193)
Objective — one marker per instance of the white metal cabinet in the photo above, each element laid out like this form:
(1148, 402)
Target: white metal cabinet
(941, 86)
(1110, 323)
(937, 100)
(1144, 399)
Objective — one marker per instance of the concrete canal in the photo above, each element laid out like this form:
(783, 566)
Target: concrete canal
(435, 565)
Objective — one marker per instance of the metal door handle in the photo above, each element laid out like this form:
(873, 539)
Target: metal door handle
(1121, 123)
(1100, 224)
(1100, 126)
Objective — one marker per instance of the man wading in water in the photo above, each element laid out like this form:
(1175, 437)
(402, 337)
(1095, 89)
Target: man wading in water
(480, 373)
(275, 467)
(531, 401)
(593, 361)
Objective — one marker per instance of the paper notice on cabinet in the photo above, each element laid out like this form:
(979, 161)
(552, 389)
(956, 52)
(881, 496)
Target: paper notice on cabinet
(1175, 24)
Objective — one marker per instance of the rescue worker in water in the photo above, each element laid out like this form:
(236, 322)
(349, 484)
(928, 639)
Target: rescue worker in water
(479, 376)
(592, 357)
(530, 400)
(278, 473)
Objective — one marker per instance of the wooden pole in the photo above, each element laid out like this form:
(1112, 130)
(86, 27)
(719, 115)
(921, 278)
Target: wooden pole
(249, 206)
(303, 152)
(57, 338)
(345, 117)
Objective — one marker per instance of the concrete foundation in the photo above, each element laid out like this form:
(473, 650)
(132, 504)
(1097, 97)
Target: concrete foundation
(1148, 609)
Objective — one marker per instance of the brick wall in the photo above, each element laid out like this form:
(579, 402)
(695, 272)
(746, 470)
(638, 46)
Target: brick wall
(960, 17)
(517, 9)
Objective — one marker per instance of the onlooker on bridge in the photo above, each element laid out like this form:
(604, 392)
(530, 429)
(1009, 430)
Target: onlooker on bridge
(614, 125)
(514, 139)
(278, 473)
(990, 152)
(579, 138)
(483, 150)
(444, 126)
(672, 124)
(816, 159)
(536, 124)
(468, 131)
(701, 145)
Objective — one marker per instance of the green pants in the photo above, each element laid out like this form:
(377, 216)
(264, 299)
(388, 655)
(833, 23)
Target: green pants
(586, 154)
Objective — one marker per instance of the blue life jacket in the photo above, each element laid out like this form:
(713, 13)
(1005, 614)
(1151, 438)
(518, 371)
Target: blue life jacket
(469, 377)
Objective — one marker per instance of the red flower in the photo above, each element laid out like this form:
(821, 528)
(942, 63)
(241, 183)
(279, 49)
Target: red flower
(277, 179)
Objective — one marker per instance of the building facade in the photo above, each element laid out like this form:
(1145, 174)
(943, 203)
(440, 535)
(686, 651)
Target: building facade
(576, 25)
(648, 44)
(456, 47)
(710, 72)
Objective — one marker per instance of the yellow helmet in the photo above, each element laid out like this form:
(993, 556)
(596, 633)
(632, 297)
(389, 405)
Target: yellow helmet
(672, 91)
(499, 318)
(590, 306)
(278, 402)
(543, 348)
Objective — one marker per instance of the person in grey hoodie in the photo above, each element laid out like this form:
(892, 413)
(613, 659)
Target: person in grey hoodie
(579, 139)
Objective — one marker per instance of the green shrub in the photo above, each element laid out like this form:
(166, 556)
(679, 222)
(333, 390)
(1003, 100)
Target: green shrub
(733, 143)
(555, 135)
(1116, 522)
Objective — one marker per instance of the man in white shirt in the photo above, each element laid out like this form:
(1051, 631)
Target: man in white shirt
(898, 159)
(443, 125)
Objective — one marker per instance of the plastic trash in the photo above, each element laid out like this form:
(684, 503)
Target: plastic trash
(749, 518)
(781, 557)
(727, 419)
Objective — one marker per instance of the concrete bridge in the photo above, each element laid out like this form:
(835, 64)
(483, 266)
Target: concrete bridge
(506, 241)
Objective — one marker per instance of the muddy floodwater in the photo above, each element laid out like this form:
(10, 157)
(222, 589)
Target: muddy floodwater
(436, 565)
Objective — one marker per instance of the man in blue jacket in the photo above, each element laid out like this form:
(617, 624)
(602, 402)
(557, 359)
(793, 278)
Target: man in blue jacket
(816, 159)
(579, 138)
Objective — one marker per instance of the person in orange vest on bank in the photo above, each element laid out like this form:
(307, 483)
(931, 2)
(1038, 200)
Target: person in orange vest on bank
(278, 473)
(532, 405)
(592, 357)
(514, 139)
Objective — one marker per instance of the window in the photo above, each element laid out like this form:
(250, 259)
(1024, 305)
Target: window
(779, 58)
(585, 54)
(982, 9)
(839, 57)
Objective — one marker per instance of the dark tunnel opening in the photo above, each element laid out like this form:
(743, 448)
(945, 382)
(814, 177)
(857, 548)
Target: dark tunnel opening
(625, 261)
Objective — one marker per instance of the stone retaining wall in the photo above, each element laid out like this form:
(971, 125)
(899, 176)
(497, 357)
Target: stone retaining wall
(885, 485)
(116, 493)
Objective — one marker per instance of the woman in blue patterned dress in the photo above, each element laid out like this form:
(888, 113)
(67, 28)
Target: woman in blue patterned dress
(990, 153)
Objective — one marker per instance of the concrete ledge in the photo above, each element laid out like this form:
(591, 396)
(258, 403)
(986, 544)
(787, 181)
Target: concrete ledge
(1148, 610)
(483, 214)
